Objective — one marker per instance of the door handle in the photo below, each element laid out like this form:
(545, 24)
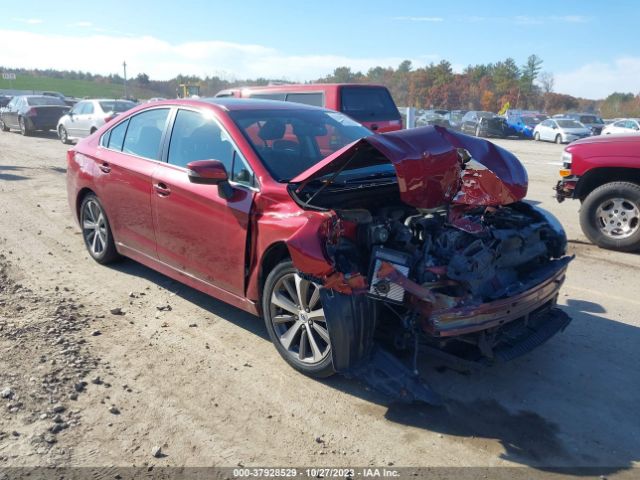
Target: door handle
(161, 189)
(105, 167)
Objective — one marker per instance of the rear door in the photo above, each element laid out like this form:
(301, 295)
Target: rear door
(75, 119)
(85, 119)
(198, 231)
(128, 156)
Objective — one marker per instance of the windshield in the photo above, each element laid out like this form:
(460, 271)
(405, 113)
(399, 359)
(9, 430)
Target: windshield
(39, 101)
(368, 104)
(117, 106)
(569, 124)
(289, 142)
(590, 119)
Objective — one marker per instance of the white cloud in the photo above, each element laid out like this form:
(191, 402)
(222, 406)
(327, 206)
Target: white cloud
(530, 19)
(103, 53)
(29, 21)
(420, 19)
(599, 79)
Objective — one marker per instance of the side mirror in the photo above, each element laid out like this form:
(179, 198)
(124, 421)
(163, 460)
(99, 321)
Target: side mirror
(210, 172)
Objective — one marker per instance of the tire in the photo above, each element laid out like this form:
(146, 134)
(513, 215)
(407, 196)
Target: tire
(300, 335)
(92, 131)
(3, 126)
(536, 136)
(96, 231)
(63, 135)
(23, 127)
(559, 139)
(610, 216)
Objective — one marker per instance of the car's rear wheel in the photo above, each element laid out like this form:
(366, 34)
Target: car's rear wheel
(558, 139)
(295, 321)
(3, 126)
(63, 135)
(96, 231)
(24, 130)
(610, 216)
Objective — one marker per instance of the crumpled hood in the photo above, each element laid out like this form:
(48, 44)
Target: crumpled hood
(429, 167)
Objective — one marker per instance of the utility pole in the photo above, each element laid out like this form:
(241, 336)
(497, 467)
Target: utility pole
(124, 64)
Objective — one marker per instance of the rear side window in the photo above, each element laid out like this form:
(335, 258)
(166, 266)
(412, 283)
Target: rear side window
(313, 99)
(368, 104)
(268, 96)
(117, 106)
(115, 138)
(41, 101)
(144, 134)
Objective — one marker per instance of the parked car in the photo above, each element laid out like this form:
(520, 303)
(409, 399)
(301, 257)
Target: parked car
(603, 172)
(370, 105)
(70, 102)
(341, 239)
(524, 121)
(486, 124)
(455, 118)
(29, 113)
(624, 126)
(89, 115)
(560, 130)
(589, 120)
(433, 117)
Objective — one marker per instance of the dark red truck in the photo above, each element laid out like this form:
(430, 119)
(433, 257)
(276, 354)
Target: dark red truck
(603, 172)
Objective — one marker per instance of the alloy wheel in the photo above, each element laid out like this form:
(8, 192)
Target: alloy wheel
(618, 217)
(94, 227)
(62, 133)
(298, 319)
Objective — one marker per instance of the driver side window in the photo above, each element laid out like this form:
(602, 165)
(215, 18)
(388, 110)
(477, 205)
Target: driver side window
(195, 137)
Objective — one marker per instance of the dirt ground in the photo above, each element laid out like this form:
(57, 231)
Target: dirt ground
(99, 365)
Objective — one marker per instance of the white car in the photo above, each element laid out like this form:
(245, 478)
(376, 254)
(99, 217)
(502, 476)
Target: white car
(560, 130)
(625, 126)
(88, 115)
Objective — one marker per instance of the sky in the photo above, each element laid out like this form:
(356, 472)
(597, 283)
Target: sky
(588, 45)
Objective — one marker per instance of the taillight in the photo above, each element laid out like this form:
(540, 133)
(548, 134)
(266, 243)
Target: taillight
(31, 112)
(71, 155)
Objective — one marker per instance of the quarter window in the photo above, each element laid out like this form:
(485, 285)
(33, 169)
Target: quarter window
(144, 134)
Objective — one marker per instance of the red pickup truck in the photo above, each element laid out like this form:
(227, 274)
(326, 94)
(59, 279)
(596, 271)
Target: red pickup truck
(603, 172)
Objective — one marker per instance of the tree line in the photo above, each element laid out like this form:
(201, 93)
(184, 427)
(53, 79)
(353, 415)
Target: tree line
(478, 87)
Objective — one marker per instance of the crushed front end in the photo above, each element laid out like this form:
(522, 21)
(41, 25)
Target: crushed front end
(445, 256)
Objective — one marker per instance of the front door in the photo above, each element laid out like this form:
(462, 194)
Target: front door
(198, 231)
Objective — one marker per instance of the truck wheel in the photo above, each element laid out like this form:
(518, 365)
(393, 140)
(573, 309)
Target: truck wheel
(610, 216)
(295, 321)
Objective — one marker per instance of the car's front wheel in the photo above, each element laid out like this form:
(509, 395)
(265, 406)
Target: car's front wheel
(558, 139)
(96, 231)
(3, 126)
(64, 136)
(610, 216)
(536, 136)
(295, 320)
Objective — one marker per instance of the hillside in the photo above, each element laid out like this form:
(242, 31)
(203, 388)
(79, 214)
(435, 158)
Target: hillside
(76, 88)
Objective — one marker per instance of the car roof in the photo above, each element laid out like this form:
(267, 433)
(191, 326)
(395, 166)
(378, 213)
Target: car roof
(232, 104)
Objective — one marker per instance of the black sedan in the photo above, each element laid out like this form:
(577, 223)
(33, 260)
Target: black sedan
(486, 124)
(29, 113)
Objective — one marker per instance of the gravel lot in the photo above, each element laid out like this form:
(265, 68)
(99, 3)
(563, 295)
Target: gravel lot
(201, 380)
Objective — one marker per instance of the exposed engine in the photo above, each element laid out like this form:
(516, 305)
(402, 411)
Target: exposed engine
(458, 258)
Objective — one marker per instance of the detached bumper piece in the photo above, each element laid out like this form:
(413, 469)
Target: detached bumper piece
(351, 322)
(518, 339)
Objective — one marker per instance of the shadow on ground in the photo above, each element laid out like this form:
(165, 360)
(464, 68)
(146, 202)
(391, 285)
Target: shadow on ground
(579, 391)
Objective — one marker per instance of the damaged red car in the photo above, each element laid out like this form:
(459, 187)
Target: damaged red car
(358, 250)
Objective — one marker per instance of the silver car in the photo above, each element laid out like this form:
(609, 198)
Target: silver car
(560, 130)
(88, 115)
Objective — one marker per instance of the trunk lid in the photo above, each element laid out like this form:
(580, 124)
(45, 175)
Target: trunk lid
(429, 167)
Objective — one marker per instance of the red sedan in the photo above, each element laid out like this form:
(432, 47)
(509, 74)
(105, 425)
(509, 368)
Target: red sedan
(342, 240)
